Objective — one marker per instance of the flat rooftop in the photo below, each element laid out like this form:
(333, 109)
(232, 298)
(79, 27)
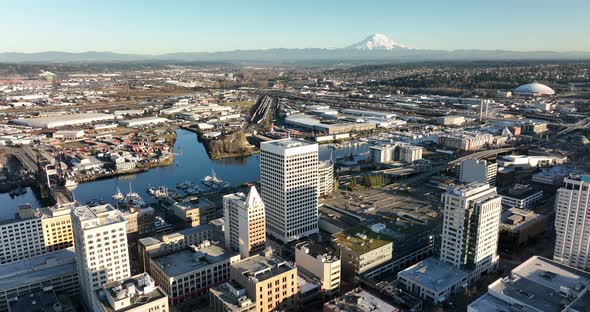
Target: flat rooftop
(520, 191)
(360, 240)
(137, 289)
(194, 203)
(467, 189)
(289, 143)
(515, 218)
(230, 294)
(537, 283)
(187, 260)
(39, 301)
(315, 250)
(434, 274)
(260, 268)
(97, 216)
(154, 240)
(488, 302)
(37, 269)
(359, 300)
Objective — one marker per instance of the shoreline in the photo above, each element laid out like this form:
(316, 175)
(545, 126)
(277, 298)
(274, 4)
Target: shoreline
(169, 161)
(218, 156)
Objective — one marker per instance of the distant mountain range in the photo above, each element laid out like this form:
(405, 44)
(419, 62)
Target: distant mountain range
(376, 48)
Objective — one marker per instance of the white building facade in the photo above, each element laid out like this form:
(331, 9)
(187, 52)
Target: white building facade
(244, 223)
(572, 222)
(478, 170)
(21, 239)
(289, 187)
(470, 228)
(322, 263)
(100, 240)
(326, 177)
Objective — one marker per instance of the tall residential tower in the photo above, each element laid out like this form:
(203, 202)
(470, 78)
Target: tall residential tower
(572, 222)
(289, 187)
(470, 228)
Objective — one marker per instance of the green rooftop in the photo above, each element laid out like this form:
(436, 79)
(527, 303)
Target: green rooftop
(361, 240)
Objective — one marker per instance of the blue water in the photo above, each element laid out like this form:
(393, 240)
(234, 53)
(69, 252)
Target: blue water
(191, 163)
(10, 204)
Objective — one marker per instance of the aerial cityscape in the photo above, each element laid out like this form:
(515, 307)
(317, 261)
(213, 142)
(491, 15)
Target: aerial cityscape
(158, 168)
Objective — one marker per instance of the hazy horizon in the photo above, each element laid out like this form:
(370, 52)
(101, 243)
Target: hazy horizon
(152, 27)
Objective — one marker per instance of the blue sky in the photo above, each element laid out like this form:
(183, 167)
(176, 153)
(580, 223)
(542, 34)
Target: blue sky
(152, 27)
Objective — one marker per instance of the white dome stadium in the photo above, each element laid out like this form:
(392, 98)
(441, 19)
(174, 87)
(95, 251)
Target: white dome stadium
(536, 89)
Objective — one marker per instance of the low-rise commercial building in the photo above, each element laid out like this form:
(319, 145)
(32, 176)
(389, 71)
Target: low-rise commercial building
(38, 301)
(230, 297)
(138, 293)
(359, 300)
(518, 226)
(465, 141)
(194, 210)
(143, 121)
(361, 251)
(521, 196)
(68, 134)
(151, 247)
(451, 120)
(525, 161)
(306, 122)
(270, 282)
(368, 113)
(534, 127)
(191, 272)
(433, 280)
(56, 270)
(554, 175)
(538, 284)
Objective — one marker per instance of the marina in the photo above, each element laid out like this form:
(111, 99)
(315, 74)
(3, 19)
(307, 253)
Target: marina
(187, 177)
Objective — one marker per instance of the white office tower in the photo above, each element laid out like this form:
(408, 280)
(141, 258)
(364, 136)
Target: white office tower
(244, 223)
(100, 239)
(289, 187)
(478, 170)
(470, 228)
(572, 222)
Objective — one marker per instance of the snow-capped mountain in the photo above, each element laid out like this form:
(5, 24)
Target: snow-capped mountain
(377, 48)
(377, 42)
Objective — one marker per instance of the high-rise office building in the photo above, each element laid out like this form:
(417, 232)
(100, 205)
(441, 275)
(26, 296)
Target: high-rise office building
(572, 228)
(289, 187)
(470, 228)
(245, 230)
(100, 239)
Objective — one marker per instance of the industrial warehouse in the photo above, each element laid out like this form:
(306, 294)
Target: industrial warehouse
(62, 120)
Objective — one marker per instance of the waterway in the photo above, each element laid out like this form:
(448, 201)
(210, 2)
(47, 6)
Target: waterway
(191, 163)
